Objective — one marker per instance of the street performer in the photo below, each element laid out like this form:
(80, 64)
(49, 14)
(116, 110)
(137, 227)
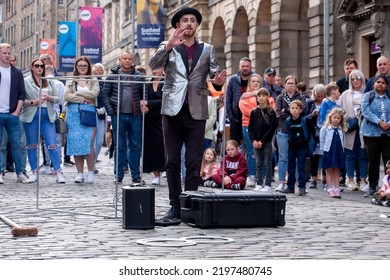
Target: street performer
(187, 62)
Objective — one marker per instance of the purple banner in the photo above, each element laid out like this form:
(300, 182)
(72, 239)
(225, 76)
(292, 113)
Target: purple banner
(91, 33)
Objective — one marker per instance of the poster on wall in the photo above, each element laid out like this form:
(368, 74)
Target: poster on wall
(150, 23)
(49, 46)
(67, 37)
(91, 33)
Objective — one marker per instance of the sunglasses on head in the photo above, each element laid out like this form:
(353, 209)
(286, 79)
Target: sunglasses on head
(39, 66)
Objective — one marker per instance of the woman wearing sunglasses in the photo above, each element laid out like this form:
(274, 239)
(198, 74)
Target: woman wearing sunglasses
(355, 152)
(38, 107)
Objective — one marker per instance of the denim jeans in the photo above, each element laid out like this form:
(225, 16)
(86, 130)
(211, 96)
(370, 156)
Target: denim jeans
(130, 128)
(3, 149)
(100, 134)
(264, 159)
(12, 126)
(282, 139)
(355, 155)
(297, 157)
(250, 157)
(59, 149)
(48, 132)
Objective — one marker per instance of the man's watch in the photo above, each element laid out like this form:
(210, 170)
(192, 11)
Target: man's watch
(32, 102)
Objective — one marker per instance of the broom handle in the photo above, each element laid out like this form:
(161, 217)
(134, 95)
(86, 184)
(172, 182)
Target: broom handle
(9, 222)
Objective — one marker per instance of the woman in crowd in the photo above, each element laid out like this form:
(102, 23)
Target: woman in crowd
(40, 93)
(98, 69)
(282, 108)
(355, 153)
(81, 94)
(376, 129)
(247, 103)
(154, 159)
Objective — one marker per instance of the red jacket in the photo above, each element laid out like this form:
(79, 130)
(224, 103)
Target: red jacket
(234, 167)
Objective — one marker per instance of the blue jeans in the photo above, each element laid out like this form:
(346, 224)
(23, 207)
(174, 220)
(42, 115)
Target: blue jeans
(359, 155)
(264, 161)
(3, 149)
(130, 128)
(100, 134)
(250, 156)
(12, 126)
(297, 156)
(48, 132)
(282, 139)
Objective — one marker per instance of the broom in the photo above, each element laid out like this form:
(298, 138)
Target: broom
(18, 230)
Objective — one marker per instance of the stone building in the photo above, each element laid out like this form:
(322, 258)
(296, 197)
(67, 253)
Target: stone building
(285, 34)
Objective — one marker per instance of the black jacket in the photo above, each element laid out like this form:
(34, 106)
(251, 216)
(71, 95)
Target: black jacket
(110, 90)
(258, 128)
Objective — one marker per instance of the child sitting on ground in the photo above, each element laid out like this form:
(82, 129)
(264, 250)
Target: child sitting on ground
(209, 167)
(233, 170)
(382, 197)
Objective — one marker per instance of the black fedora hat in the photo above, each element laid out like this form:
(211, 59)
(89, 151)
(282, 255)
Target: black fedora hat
(185, 10)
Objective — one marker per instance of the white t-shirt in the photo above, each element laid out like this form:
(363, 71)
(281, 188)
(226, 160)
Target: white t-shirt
(5, 88)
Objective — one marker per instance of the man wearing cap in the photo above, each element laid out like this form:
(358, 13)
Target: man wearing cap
(187, 62)
(269, 82)
(236, 87)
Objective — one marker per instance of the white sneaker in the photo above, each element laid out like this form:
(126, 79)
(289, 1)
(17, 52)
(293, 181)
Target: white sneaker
(46, 170)
(1, 179)
(23, 179)
(258, 188)
(34, 178)
(366, 188)
(250, 181)
(351, 186)
(156, 180)
(266, 189)
(281, 187)
(79, 178)
(90, 177)
(60, 178)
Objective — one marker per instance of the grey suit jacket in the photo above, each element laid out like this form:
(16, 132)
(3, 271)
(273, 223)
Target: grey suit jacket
(179, 79)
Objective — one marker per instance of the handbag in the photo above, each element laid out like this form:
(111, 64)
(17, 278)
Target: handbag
(61, 126)
(87, 118)
(352, 124)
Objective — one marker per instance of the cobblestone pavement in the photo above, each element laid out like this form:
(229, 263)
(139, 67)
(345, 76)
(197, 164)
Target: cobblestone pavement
(317, 227)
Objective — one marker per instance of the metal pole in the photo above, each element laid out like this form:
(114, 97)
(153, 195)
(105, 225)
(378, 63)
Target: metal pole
(132, 26)
(56, 34)
(326, 42)
(117, 145)
(77, 29)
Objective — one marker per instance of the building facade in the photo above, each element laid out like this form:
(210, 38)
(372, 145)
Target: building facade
(286, 34)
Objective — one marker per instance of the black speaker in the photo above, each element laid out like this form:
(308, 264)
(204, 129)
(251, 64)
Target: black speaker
(138, 207)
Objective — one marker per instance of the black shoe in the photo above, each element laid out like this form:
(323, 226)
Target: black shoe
(138, 181)
(173, 213)
(302, 192)
(287, 190)
(95, 171)
(369, 193)
(119, 180)
(313, 184)
(172, 217)
(69, 163)
(10, 168)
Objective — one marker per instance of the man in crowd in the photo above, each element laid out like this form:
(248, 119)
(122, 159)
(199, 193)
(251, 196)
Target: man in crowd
(11, 102)
(129, 124)
(236, 87)
(350, 64)
(269, 82)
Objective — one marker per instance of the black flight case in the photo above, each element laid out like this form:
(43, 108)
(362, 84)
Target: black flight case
(245, 208)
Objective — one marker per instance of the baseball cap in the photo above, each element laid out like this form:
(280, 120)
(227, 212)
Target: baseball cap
(270, 71)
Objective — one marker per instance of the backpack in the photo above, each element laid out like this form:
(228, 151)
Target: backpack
(308, 137)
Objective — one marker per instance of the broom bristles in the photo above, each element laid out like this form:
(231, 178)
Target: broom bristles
(26, 231)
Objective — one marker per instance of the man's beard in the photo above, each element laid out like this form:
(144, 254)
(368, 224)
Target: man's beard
(189, 33)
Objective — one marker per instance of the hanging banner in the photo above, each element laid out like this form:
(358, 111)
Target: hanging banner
(67, 37)
(49, 46)
(91, 33)
(150, 23)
